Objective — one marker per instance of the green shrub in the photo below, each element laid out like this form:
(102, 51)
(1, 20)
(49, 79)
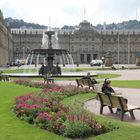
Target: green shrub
(76, 129)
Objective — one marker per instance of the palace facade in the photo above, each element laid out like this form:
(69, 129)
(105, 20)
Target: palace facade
(26, 40)
(6, 43)
(84, 43)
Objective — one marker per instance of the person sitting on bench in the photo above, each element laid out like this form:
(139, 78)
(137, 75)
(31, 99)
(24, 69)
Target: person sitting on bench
(48, 78)
(3, 77)
(93, 81)
(107, 89)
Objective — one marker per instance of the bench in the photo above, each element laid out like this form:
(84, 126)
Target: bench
(98, 87)
(116, 102)
(48, 79)
(84, 82)
(4, 77)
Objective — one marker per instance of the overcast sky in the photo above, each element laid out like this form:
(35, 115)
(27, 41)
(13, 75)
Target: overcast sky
(71, 12)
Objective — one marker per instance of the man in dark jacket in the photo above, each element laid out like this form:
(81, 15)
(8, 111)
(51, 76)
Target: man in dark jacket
(93, 81)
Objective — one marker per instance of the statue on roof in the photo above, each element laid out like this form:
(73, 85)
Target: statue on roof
(1, 17)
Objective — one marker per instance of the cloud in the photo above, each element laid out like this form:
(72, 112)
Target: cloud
(70, 12)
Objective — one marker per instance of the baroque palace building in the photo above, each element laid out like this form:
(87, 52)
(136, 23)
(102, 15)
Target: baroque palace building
(26, 40)
(85, 43)
(6, 43)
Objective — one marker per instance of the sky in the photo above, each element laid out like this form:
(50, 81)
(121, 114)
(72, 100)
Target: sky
(57, 13)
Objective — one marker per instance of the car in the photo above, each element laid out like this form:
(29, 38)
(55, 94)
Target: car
(96, 62)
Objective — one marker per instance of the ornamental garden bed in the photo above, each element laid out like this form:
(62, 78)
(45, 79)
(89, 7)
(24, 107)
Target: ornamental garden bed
(43, 109)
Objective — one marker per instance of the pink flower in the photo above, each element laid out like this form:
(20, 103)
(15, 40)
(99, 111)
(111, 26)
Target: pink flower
(45, 116)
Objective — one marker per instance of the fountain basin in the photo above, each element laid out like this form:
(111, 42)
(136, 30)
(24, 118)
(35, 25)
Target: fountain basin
(64, 75)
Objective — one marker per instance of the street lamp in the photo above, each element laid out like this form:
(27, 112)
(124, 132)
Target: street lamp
(118, 48)
(128, 57)
(103, 61)
(23, 55)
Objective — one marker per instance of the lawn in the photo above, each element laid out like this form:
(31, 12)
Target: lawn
(126, 83)
(15, 129)
(64, 69)
(78, 69)
(107, 75)
(18, 70)
(11, 127)
(100, 76)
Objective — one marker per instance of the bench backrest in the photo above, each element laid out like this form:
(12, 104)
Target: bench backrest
(124, 104)
(83, 82)
(118, 102)
(104, 99)
(4, 77)
(79, 82)
(86, 82)
(46, 76)
(98, 88)
(113, 101)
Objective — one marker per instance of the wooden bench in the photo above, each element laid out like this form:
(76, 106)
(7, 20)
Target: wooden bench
(98, 87)
(105, 101)
(84, 82)
(4, 77)
(48, 79)
(116, 102)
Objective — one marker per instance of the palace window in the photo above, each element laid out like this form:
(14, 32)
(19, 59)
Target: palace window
(115, 39)
(94, 56)
(80, 49)
(82, 58)
(109, 39)
(88, 58)
(17, 49)
(72, 48)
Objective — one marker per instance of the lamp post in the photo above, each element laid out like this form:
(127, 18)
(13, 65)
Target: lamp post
(23, 51)
(128, 56)
(103, 61)
(118, 48)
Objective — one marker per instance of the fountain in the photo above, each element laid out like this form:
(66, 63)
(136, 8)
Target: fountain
(49, 55)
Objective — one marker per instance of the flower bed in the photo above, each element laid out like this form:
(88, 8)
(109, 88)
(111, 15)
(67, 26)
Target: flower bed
(43, 109)
(27, 82)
